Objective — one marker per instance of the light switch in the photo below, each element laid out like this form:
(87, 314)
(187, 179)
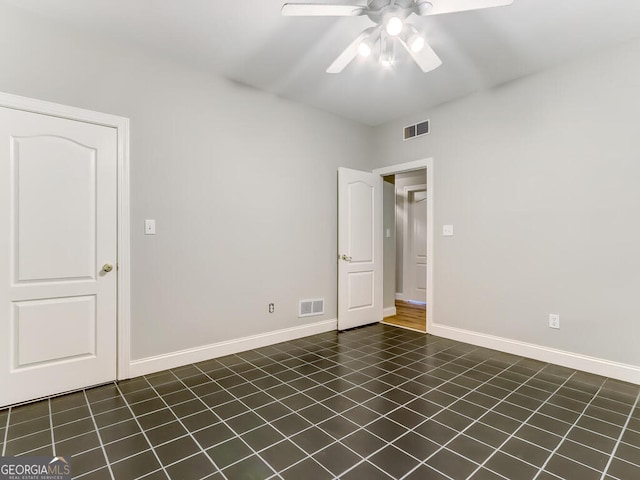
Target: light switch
(447, 230)
(388, 233)
(149, 227)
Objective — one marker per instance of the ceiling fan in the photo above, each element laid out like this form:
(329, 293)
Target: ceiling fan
(390, 17)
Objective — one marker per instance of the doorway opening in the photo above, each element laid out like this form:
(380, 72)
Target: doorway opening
(405, 249)
(408, 244)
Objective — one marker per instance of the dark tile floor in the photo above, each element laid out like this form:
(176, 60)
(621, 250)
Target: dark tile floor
(373, 403)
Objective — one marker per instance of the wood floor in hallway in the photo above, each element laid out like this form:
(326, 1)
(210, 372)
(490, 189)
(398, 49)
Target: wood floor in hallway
(409, 315)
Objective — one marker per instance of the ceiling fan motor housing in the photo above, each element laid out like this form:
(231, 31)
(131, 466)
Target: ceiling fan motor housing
(379, 10)
(390, 17)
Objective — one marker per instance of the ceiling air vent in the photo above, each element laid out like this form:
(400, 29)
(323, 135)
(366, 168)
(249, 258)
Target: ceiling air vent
(310, 308)
(416, 130)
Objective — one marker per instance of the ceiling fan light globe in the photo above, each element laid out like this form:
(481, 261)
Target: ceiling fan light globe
(394, 26)
(364, 49)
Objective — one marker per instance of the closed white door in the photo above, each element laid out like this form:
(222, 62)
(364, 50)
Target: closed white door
(418, 245)
(58, 219)
(359, 248)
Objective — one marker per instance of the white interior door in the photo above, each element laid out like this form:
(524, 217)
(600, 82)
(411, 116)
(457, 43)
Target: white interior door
(418, 245)
(58, 223)
(360, 248)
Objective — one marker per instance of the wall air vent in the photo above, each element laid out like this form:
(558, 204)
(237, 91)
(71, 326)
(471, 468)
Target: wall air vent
(311, 308)
(417, 130)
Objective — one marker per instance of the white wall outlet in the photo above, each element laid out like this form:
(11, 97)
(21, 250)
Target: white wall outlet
(554, 320)
(149, 227)
(447, 230)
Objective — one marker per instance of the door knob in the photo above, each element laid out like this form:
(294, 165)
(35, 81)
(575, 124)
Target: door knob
(106, 268)
(346, 258)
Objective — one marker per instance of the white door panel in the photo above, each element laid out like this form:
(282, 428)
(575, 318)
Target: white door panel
(359, 248)
(54, 218)
(57, 229)
(32, 325)
(361, 290)
(360, 198)
(418, 245)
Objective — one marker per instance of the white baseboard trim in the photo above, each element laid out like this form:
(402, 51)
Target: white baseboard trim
(598, 366)
(399, 296)
(145, 366)
(388, 312)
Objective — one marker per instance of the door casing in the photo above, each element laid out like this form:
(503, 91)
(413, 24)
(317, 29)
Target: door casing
(426, 163)
(123, 264)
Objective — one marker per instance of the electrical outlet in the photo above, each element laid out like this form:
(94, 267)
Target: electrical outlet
(272, 307)
(554, 320)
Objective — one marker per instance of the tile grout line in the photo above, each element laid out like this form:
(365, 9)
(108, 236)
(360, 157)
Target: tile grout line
(564, 437)
(302, 375)
(571, 425)
(202, 450)
(311, 371)
(312, 425)
(97, 430)
(624, 429)
(522, 423)
(224, 421)
(442, 409)
(6, 433)
(309, 456)
(399, 386)
(376, 395)
(474, 422)
(36, 449)
(53, 440)
(142, 430)
(90, 472)
(270, 423)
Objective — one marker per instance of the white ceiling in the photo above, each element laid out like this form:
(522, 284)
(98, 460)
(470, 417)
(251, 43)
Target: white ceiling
(250, 42)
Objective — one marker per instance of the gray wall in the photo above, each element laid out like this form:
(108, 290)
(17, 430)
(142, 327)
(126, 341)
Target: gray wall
(540, 179)
(242, 184)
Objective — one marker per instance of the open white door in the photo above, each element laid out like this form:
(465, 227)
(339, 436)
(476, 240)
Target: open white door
(360, 248)
(58, 226)
(418, 246)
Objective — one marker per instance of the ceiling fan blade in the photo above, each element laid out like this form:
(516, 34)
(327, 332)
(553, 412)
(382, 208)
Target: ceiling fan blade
(426, 58)
(321, 10)
(349, 53)
(437, 7)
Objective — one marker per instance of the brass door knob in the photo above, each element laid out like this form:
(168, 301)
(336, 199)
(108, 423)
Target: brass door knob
(106, 268)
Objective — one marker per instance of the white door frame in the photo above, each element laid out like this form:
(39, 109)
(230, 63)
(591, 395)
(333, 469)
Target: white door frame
(123, 265)
(426, 163)
(407, 253)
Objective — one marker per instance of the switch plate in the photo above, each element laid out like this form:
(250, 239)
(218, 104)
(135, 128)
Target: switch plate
(447, 230)
(388, 233)
(554, 321)
(149, 227)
